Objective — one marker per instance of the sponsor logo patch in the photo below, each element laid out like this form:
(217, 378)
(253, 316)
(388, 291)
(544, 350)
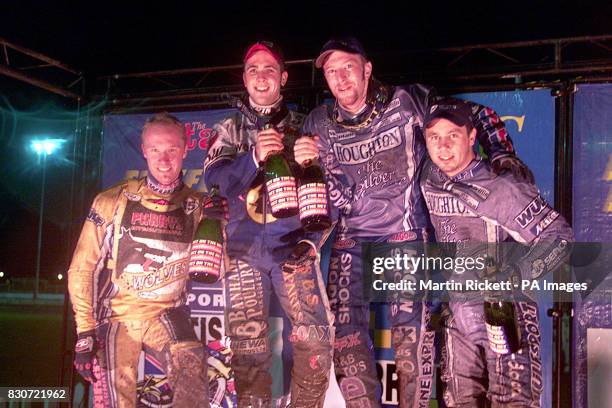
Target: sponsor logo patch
(190, 205)
(344, 244)
(396, 117)
(403, 236)
(528, 214)
(94, 217)
(364, 150)
(340, 135)
(393, 105)
(545, 222)
(446, 205)
(132, 196)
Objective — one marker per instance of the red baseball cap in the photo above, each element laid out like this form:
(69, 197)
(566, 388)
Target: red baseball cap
(266, 46)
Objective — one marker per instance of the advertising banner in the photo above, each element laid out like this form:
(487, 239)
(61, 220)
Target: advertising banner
(529, 117)
(592, 222)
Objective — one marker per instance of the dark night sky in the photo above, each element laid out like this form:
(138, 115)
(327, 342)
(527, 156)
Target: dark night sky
(117, 38)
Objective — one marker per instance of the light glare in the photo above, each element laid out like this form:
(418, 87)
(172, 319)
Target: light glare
(46, 146)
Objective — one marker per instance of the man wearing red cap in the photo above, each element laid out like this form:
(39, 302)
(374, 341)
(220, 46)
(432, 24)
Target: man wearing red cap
(370, 145)
(267, 254)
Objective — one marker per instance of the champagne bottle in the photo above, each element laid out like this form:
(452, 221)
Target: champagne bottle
(280, 185)
(312, 198)
(502, 329)
(206, 254)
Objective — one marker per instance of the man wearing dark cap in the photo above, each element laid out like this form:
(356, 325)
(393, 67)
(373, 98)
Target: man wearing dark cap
(267, 254)
(472, 206)
(371, 147)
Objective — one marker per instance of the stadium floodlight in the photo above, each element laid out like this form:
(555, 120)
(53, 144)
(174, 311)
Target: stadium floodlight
(46, 147)
(43, 148)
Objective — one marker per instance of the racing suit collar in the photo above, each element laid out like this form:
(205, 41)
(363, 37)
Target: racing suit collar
(344, 115)
(163, 189)
(266, 110)
(469, 170)
(378, 98)
(276, 115)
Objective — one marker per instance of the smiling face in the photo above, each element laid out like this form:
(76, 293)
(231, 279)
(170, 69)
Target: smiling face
(164, 148)
(450, 146)
(263, 78)
(347, 76)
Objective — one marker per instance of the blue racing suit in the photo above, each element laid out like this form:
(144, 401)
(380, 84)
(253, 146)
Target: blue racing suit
(259, 246)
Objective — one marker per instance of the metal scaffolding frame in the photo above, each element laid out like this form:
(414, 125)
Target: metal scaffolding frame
(50, 74)
(556, 64)
(472, 67)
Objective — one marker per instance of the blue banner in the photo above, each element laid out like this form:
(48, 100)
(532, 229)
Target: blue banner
(530, 119)
(592, 221)
(122, 155)
(592, 183)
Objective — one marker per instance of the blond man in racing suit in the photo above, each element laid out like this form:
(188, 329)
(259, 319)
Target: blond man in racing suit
(128, 276)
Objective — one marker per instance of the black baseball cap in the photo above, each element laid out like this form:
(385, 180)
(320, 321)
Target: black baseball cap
(457, 111)
(346, 44)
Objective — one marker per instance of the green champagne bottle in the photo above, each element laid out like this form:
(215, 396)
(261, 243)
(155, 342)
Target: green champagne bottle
(500, 321)
(281, 186)
(206, 254)
(312, 198)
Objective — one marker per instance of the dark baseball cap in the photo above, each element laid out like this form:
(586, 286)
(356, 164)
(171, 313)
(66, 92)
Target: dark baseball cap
(346, 44)
(266, 46)
(457, 111)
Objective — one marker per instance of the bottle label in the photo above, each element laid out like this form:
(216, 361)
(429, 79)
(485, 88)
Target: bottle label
(282, 193)
(498, 340)
(205, 257)
(313, 200)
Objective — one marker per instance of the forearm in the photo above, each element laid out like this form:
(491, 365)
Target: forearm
(491, 132)
(233, 176)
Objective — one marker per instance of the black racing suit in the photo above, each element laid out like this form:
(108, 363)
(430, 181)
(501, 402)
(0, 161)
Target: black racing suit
(473, 209)
(127, 281)
(258, 245)
(371, 170)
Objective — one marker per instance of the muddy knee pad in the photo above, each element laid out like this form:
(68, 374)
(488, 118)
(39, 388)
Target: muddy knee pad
(185, 359)
(310, 374)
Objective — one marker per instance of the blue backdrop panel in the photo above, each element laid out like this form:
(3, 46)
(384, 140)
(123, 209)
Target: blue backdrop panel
(530, 119)
(592, 216)
(592, 183)
(122, 157)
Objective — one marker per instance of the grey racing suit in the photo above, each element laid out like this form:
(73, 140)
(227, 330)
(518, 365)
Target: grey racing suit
(472, 210)
(260, 247)
(371, 172)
